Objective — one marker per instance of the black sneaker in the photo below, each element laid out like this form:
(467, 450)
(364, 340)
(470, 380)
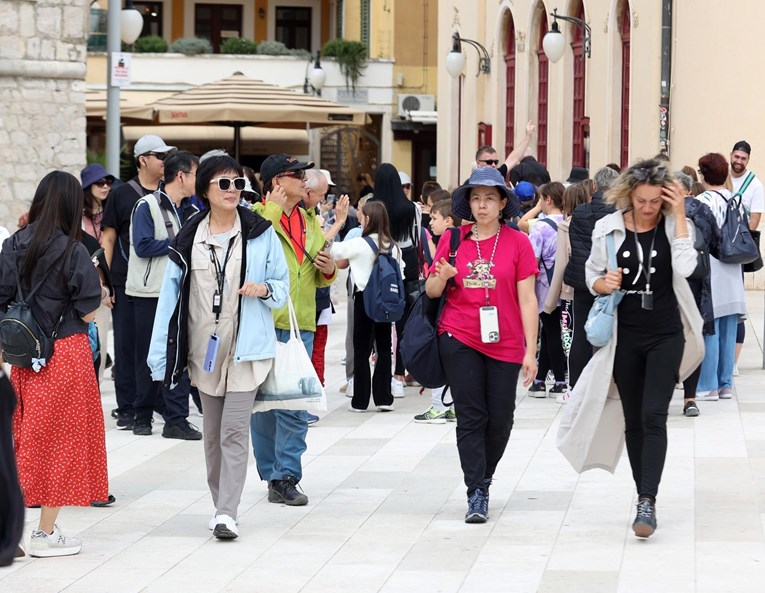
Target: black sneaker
(690, 409)
(142, 428)
(559, 387)
(184, 432)
(645, 521)
(478, 507)
(115, 413)
(538, 389)
(285, 491)
(125, 421)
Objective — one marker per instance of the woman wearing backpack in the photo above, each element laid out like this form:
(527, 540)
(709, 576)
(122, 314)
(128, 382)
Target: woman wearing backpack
(728, 298)
(487, 331)
(544, 239)
(361, 257)
(405, 223)
(58, 427)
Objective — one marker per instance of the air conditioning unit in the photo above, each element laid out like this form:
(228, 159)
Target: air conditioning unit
(407, 103)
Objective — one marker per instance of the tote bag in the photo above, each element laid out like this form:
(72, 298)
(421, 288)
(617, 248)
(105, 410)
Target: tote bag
(599, 326)
(292, 383)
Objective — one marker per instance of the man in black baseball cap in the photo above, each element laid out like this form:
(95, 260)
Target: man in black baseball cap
(746, 183)
(278, 436)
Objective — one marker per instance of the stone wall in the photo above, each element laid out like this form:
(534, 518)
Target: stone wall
(42, 96)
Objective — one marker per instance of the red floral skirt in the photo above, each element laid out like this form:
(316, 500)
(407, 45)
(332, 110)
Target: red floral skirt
(58, 429)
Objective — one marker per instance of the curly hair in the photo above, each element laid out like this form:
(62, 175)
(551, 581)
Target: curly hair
(650, 172)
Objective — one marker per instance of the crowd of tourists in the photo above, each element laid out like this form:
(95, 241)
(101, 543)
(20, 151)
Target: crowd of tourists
(200, 267)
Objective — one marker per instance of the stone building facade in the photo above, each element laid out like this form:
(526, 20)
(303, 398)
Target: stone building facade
(42, 96)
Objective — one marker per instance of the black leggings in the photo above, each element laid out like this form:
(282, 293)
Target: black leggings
(411, 274)
(646, 372)
(366, 333)
(483, 390)
(581, 350)
(551, 355)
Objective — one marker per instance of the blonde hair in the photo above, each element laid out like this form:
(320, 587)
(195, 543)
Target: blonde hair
(650, 172)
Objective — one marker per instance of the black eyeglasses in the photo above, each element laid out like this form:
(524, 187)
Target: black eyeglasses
(224, 183)
(103, 183)
(300, 174)
(160, 156)
(489, 162)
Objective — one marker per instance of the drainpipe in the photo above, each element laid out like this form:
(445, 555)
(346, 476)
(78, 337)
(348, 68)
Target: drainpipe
(666, 75)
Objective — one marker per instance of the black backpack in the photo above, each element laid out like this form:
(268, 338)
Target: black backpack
(736, 244)
(23, 341)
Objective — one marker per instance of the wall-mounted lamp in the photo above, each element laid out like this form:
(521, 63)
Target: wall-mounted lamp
(455, 59)
(262, 12)
(554, 44)
(315, 79)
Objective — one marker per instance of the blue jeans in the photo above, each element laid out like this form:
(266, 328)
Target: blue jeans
(278, 436)
(717, 368)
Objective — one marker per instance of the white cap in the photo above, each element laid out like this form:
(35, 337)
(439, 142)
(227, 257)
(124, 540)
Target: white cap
(328, 176)
(405, 179)
(150, 143)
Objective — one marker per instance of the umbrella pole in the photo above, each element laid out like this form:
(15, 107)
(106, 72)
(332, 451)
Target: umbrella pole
(237, 138)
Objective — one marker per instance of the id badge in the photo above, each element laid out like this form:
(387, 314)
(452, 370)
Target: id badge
(646, 300)
(216, 304)
(212, 354)
(489, 325)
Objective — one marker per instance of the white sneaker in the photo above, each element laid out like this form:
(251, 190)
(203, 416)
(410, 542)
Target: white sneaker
(225, 527)
(396, 388)
(562, 398)
(357, 410)
(708, 396)
(349, 388)
(44, 545)
(386, 408)
(735, 370)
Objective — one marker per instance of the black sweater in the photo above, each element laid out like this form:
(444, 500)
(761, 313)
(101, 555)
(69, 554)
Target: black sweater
(580, 237)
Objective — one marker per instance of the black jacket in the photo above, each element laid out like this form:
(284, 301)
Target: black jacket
(253, 225)
(706, 226)
(580, 238)
(531, 170)
(71, 286)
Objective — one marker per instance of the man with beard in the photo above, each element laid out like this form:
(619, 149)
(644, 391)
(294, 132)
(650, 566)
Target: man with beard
(753, 195)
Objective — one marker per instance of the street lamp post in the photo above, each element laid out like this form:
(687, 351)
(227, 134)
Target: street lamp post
(455, 59)
(122, 25)
(554, 44)
(315, 79)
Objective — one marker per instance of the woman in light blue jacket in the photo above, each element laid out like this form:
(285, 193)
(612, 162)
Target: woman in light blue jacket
(227, 272)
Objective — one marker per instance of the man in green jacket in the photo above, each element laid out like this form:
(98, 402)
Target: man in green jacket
(278, 436)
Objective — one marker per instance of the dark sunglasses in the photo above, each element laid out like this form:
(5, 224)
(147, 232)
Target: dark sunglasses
(160, 156)
(300, 174)
(103, 183)
(224, 183)
(489, 162)
(407, 186)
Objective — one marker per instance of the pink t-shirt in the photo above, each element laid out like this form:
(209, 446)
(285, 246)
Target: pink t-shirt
(514, 261)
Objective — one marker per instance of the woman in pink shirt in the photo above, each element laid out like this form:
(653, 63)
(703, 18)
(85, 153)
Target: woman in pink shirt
(488, 327)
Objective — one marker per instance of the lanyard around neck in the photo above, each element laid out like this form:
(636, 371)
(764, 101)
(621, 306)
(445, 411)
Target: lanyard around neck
(639, 252)
(220, 273)
(491, 260)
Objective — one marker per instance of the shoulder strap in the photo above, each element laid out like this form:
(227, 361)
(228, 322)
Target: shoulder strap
(136, 187)
(611, 250)
(19, 294)
(550, 222)
(372, 244)
(165, 216)
(745, 185)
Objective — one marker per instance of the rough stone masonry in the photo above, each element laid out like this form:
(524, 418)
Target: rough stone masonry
(42, 96)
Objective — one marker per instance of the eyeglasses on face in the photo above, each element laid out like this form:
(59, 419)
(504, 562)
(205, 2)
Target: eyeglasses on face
(103, 183)
(407, 186)
(224, 183)
(300, 174)
(490, 162)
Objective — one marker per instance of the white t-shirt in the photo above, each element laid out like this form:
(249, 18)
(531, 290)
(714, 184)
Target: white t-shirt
(753, 199)
(361, 258)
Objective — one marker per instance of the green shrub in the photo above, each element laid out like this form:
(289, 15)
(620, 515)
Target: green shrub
(237, 45)
(272, 48)
(350, 55)
(300, 53)
(151, 44)
(191, 46)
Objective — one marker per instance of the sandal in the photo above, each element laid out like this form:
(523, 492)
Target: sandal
(104, 503)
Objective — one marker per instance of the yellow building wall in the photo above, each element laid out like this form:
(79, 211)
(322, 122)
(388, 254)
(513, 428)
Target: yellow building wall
(416, 42)
(402, 155)
(352, 21)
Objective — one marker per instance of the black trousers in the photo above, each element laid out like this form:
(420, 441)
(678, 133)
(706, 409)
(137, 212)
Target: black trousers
(551, 354)
(646, 372)
(581, 350)
(123, 323)
(411, 274)
(366, 333)
(483, 390)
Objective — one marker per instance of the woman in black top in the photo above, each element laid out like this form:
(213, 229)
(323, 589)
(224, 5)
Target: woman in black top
(58, 426)
(405, 224)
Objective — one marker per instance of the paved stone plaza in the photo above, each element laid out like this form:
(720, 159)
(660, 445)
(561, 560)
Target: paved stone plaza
(387, 503)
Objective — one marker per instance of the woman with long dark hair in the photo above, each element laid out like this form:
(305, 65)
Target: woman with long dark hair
(96, 185)
(405, 223)
(58, 427)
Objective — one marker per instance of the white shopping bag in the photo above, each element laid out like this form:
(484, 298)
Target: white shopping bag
(292, 383)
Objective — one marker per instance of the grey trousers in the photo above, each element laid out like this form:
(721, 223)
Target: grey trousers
(227, 447)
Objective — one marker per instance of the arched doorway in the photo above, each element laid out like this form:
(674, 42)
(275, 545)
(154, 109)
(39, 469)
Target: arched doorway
(578, 157)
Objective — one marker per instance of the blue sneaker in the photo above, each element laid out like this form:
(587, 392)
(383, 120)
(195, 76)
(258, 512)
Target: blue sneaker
(478, 507)
(311, 418)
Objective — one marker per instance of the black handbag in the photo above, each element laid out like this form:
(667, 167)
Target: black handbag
(756, 265)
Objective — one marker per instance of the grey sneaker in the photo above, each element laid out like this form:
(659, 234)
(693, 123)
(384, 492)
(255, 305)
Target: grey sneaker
(478, 507)
(44, 545)
(690, 409)
(431, 416)
(285, 491)
(645, 520)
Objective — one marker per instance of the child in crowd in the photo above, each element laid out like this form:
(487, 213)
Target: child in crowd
(441, 218)
(366, 332)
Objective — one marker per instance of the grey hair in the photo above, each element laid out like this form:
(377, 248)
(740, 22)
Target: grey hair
(685, 179)
(313, 177)
(212, 153)
(605, 178)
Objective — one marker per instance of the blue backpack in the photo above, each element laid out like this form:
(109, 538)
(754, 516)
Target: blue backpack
(384, 300)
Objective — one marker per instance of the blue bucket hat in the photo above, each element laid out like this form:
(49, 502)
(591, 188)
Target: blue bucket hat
(92, 173)
(484, 176)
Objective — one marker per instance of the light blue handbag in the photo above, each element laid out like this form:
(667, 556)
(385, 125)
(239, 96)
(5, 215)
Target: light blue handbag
(599, 326)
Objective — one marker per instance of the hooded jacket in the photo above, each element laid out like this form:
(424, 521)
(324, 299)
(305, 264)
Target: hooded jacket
(168, 353)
